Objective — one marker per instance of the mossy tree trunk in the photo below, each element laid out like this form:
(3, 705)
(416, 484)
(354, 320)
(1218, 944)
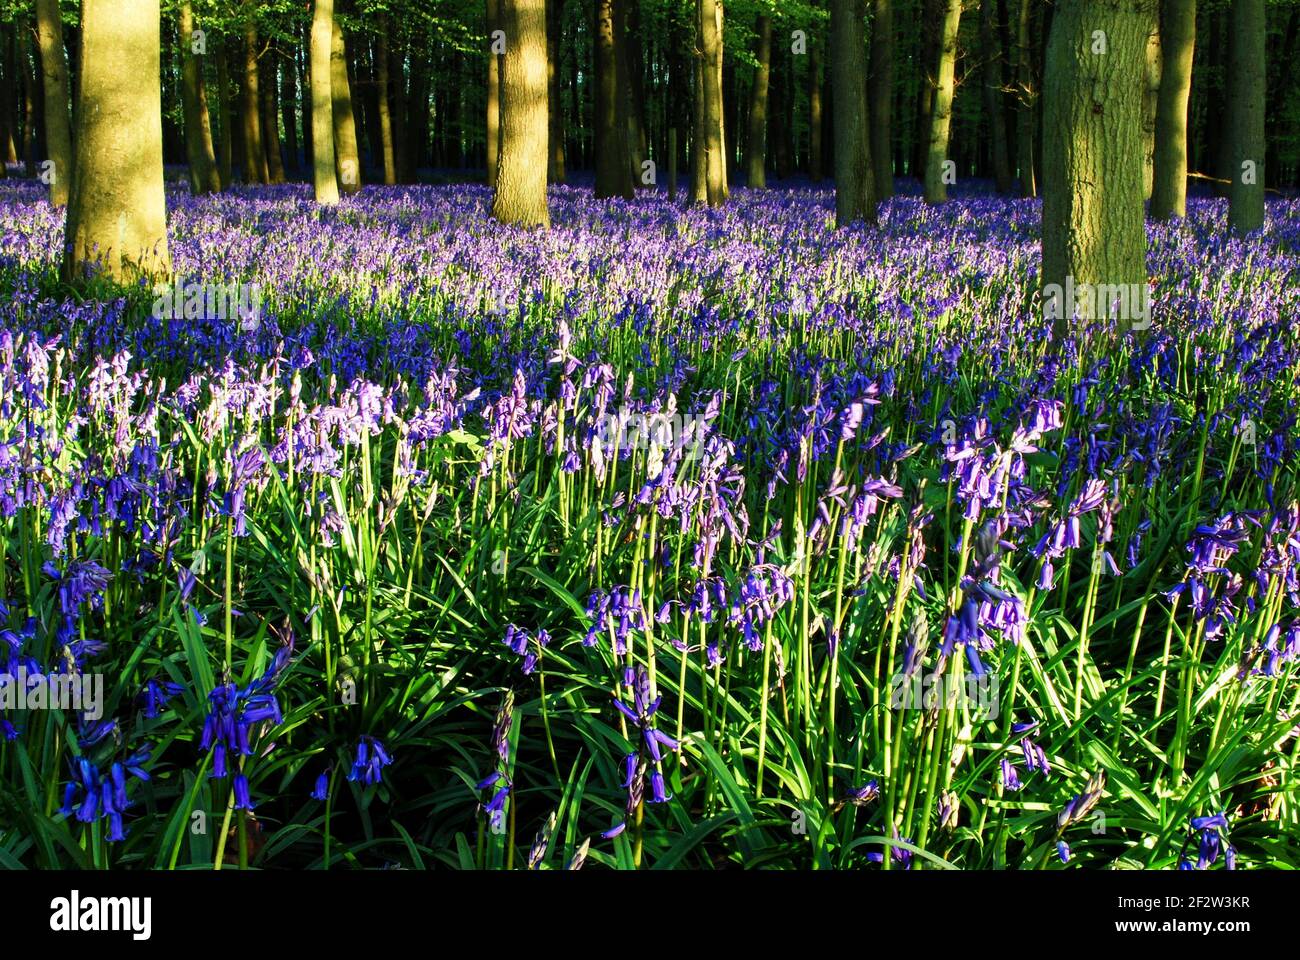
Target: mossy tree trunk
(58, 124)
(117, 215)
(1177, 49)
(1247, 89)
(347, 162)
(521, 172)
(492, 131)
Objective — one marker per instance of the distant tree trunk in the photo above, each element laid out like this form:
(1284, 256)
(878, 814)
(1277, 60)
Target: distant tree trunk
(493, 134)
(397, 81)
(855, 197)
(1248, 87)
(250, 104)
(1093, 226)
(347, 163)
(936, 190)
(8, 146)
(612, 165)
(880, 92)
(815, 121)
(711, 133)
(54, 68)
(521, 174)
(1150, 101)
(289, 107)
(699, 145)
(992, 44)
(631, 65)
(385, 115)
(555, 103)
(271, 123)
(1177, 49)
(204, 177)
(756, 167)
(117, 216)
(623, 104)
(322, 105)
(780, 121)
(29, 103)
(718, 102)
(225, 153)
(1026, 96)
(930, 13)
(417, 107)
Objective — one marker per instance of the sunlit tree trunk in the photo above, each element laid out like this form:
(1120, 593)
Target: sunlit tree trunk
(493, 129)
(714, 145)
(880, 95)
(385, 115)
(521, 173)
(322, 105)
(756, 151)
(346, 160)
(117, 216)
(1150, 102)
(1247, 89)
(54, 70)
(271, 120)
(855, 197)
(936, 190)
(254, 155)
(1093, 220)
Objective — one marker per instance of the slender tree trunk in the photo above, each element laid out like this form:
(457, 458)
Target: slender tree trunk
(1177, 47)
(1093, 226)
(631, 64)
(781, 120)
(699, 138)
(117, 216)
(1248, 87)
(612, 163)
(204, 176)
(880, 92)
(493, 91)
(347, 163)
(1150, 102)
(719, 104)
(54, 67)
(385, 115)
(855, 197)
(623, 102)
(29, 104)
(991, 41)
(714, 149)
(271, 122)
(815, 121)
(254, 155)
(555, 19)
(8, 144)
(397, 81)
(756, 173)
(289, 106)
(417, 106)
(936, 190)
(226, 145)
(322, 104)
(1026, 96)
(521, 173)
(930, 13)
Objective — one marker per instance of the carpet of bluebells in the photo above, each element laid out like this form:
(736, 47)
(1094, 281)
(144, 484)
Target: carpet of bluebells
(909, 584)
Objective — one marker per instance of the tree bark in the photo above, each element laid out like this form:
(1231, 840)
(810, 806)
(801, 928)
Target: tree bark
(254, 156)
(855, 197)
(347, 162)
(271, 122)
(385, 115)
(204, 176)
(714, 155)
(612, 156)
(815, 121)
(756, 151)
(880, 94)
(117, 216)
(1093, 226)
(1150, 103)
(493, 134)
(555, 103)
(936, 190)
(991, 41)
(54, 67)
(521, 173)
(324, 175)
(1247, 88)
(1177, 49)
(1026, 96)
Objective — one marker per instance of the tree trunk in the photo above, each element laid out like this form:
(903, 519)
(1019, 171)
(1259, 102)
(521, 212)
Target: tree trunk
(1026, 95)
(930, 13)
(289, 107)
(204, 177)
(711, 134)
(1093, 228)
(54, 67)
(555, 103)
(521, 173)
(322, 105)
(271, 122)
(855, 197)
(814, 111)
(612, 164)
(1246, 105)
(385, 115)
(725, 153)
(1177, 48)
(117, 216)
(493, 134)
(347, 162)
(880, 91)
(991, 42)
(936, 189)
(29, 103)
(1150, 101)
(226, 150)
(756, 152)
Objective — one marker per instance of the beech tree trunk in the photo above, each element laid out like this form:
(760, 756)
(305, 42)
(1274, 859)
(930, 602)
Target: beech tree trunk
(493, 91)
(254, 155)
(347, 162)
(815, 121)
(385, 115)
(613, 169)
(322, 105)
(555, 103)
(756, 149)
(855, 197)
(880, 95)
(117, 216)
(1177, 48)
(54, 72)
(1094, 231)
(936, 166)
(521, 173)
(1247, 89)
(271, 122)
(712, 137)
(1150, 102)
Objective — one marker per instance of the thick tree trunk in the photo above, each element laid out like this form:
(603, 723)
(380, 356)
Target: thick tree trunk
(322, 105)
(880, 93)
(991, 41)
(493, 91)
(936, 189)
(1246, 104)
(385, 115)
(1094, 235)
(815, 165)
(855, 197)
(347, 162)
(54, 68)
(117, 216)
(756, 150)
(1026, 97)
(521, 172)
(1177, 48)
(555, 103)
